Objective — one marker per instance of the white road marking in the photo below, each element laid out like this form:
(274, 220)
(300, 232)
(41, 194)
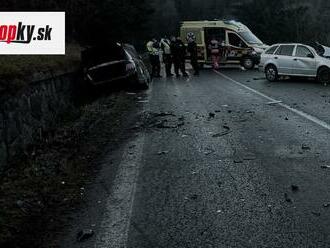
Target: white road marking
(296, 111)
(117, 216)
(119, 206)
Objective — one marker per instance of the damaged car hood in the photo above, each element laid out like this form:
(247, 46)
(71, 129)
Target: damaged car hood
(324, 50)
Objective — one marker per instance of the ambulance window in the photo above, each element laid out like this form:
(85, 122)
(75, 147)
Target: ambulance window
(285, 50)
(217, 33)
(271, 50)
(236, 41)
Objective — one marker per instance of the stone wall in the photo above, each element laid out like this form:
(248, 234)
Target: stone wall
(26, 116)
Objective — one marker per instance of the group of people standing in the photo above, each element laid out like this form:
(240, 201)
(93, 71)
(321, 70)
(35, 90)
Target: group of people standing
(173, 51)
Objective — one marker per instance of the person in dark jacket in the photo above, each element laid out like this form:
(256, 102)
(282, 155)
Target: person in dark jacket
(179, 53)
(192, 50)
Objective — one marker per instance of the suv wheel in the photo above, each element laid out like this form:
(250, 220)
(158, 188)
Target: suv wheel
(323, 75)
(271, 73)
(248, 63)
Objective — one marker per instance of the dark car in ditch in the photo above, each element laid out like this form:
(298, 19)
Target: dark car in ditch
(115, 63)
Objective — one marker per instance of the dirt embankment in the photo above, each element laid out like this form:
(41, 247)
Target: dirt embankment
(16, 72)
(48, 180)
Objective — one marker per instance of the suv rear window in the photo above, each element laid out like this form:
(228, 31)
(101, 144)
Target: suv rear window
(271, 50)
(285, 50)
(303, 51)
(102, 54)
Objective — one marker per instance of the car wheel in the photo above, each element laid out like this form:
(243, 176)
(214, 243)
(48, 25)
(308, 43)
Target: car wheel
(143, 85)
(141, 79)
(142, 82)
(323, 75)
(248, 63)
(271, 73)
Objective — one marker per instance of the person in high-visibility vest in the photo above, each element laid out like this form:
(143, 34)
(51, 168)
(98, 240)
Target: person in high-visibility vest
(167, 56)
(154, 52)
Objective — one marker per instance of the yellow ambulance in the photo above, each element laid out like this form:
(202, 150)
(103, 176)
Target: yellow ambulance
(239, 44)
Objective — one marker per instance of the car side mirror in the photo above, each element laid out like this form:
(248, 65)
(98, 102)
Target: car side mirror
(310, 56)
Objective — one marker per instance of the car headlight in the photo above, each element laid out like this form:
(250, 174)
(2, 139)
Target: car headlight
(258, 50)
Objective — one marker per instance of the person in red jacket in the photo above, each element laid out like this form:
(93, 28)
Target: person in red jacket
(214, 48)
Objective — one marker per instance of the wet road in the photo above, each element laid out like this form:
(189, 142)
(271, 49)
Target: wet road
(234, 190)
(221, 165)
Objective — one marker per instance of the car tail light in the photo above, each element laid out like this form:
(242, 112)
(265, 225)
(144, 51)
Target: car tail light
(130, 67)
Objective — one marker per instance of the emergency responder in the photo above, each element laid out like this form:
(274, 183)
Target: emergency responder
(223, 51)
(179, 53)
(154, 52)
(193, 52)
(214, 48)
(167, 55)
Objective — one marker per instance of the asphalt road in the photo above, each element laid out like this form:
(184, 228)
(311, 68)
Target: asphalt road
(220, 163)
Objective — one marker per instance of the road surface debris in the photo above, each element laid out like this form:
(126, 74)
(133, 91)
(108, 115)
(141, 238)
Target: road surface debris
(194, 197)
(287, 198)
(83, 235)
(238, 161)
(224, 133)
(305, 147)
(211, 115)
(294, 188)
(163, 152)
(163, 114)
(318, 214)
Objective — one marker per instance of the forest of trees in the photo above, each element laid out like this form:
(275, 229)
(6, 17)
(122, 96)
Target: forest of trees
(271, 20)
(92, 21)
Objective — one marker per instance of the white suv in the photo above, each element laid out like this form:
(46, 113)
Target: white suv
(294, 60)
